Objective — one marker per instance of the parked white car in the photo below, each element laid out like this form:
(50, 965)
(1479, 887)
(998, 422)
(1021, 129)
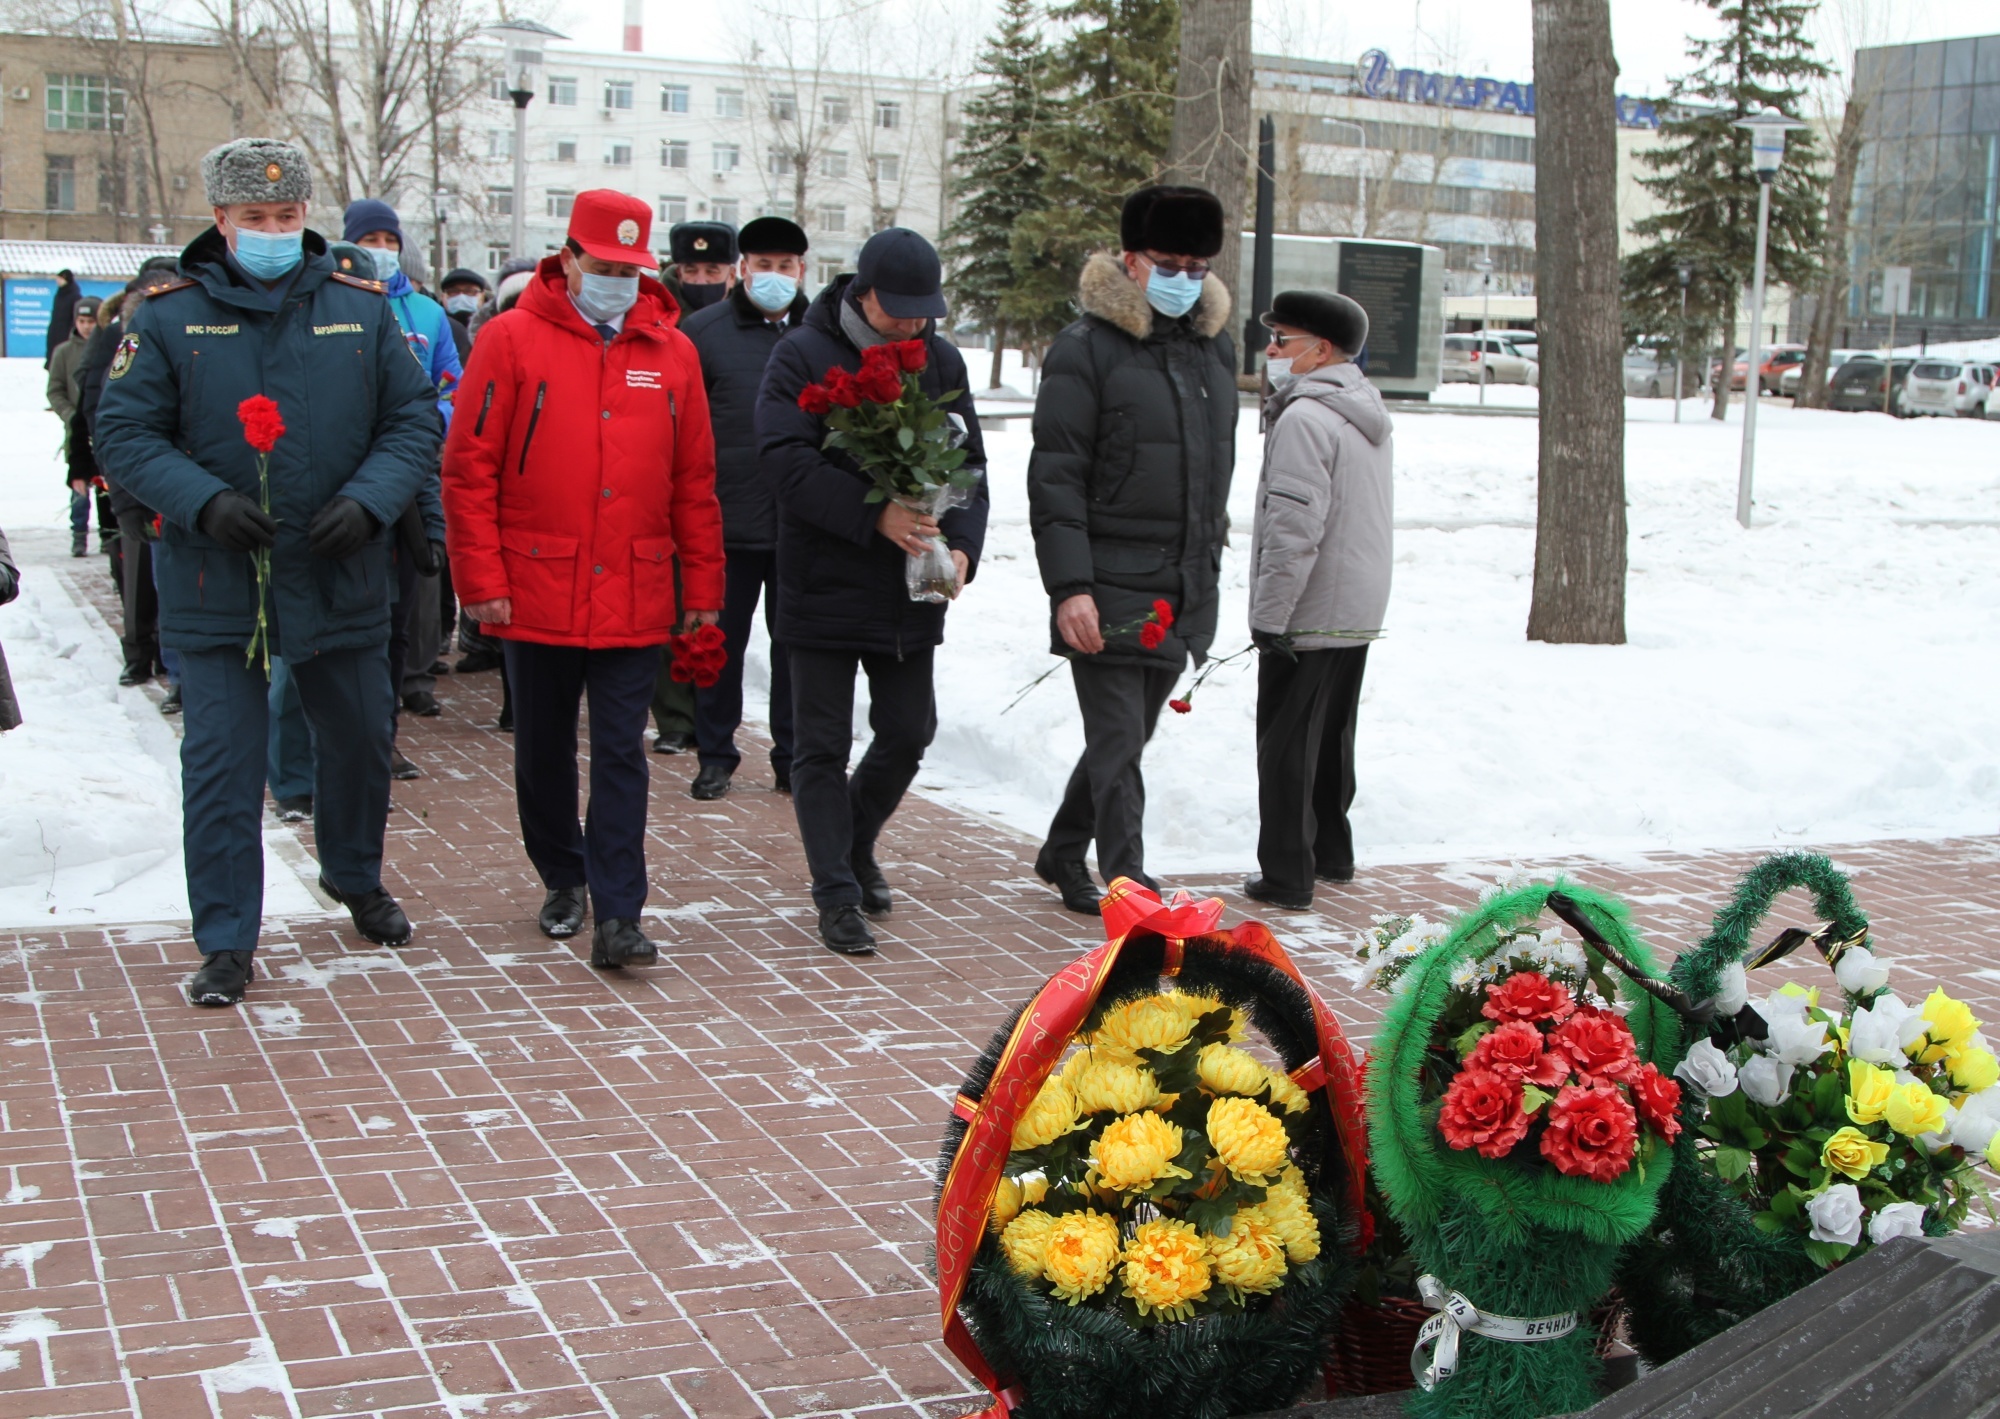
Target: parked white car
(1482, 359)
(1648, 374)
(1788, 382)
(1948, 388)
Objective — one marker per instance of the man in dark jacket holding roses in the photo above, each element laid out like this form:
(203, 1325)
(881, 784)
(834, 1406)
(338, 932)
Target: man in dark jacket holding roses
(843, 603)
(1135, 441)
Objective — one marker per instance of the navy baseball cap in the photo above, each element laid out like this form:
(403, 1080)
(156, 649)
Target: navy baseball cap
(904, 272)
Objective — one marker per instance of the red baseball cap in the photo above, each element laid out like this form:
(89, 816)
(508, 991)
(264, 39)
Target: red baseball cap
(613, 227)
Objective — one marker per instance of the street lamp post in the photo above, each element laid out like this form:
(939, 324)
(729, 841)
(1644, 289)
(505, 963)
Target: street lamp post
(1684, 274)
(1484, 266)
(1767, 152)
(1360, 171)
(523, 64)
(441, 211)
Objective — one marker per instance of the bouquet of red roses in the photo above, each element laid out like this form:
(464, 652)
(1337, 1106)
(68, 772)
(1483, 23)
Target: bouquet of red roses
(698, 657)
(909, 444)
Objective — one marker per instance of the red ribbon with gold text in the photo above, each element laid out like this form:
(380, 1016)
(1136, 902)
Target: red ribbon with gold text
(1038, 1041)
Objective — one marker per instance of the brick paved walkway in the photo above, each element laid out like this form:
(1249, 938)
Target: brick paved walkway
(475, 1177)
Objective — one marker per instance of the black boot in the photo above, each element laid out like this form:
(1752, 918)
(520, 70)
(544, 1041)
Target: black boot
(711, 783)
(79, 546)
(421, 702)
(1259, 889)
(402, 768)
(673, 741)
(875, 899)
(843, 930)
(781, 779)
(617, 941)
(1069, 876)
(221, 979)
(295, 810)
(172, 703)
(562, 912)
(376, 915)
(136, 674)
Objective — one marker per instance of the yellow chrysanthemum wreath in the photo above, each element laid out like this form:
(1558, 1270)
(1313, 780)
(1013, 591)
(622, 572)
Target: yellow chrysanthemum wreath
(1155, 1167)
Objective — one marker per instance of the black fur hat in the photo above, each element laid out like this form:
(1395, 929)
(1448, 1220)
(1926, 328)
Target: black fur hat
(1181, 221)
(689, 243)
(771, 236)
(1339, 320)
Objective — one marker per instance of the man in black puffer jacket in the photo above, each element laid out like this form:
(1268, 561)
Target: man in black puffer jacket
(842, 599)
(734, 338)
(1135, 441)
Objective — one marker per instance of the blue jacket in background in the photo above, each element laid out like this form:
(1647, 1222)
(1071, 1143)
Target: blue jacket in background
(360, 422)
(427, 329)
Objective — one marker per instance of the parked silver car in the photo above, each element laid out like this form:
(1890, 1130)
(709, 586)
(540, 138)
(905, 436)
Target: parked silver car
(1648, 374)
(1949, 388)
(1479, 359)
(1788, 382)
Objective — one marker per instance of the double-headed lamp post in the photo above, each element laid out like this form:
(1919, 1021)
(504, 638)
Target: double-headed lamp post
(522, 71)
(1767, 152)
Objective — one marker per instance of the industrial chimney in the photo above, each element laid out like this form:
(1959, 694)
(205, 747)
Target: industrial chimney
(634, 26)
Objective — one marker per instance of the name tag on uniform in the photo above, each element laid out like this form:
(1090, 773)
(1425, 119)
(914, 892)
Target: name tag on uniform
(642, 379)
(346, 329)
(214, 330)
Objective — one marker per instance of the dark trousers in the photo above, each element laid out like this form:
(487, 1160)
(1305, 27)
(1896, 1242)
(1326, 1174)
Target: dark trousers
(401, 616)
(346, 696)
(607, 851)
(673, 702)
(140, 639)
(79, 514)
(289, 766)
(1305, 764)
(718, 710)
(841, 815)
(1106, 795)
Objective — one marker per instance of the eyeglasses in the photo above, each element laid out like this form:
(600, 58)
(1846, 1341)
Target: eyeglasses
(1174, 266)
(1278, 342)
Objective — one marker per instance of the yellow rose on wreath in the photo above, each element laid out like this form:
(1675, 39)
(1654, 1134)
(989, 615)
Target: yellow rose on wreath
(1150, 1022)
(1287, 1095)
(1853, 1154)
(1079, 1254)
(1248, 1139)
(1012, 1195)
(1290, 1215)
(1224, 1069)
(1975, 1070)
(1195, 1004)
(1166, 1268)
(1948, 1028)
(1868, 1090)
(1913, 1109)
(1250, 1261)
(1109, 1086)
(1024, 1240)
(1137, 1151)
(1049, 1117)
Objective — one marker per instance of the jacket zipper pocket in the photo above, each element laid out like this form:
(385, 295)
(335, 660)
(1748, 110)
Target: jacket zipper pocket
(485, 408)
(534, 418)
(1288, 497)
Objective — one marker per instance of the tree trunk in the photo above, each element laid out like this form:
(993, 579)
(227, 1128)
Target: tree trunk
(1213, 143)
(999, 352)
(1580, 521)
(1833, 257)
(1725, 369)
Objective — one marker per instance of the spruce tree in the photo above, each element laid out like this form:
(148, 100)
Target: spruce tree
(1114, 75)
(1002, 176)
(1707, 184)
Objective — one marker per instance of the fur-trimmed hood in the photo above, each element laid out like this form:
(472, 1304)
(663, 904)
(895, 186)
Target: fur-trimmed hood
(1106, 292)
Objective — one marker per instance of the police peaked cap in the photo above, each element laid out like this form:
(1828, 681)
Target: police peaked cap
(1181, 221)
(1339, 320)
(771, 236)
(691, 242)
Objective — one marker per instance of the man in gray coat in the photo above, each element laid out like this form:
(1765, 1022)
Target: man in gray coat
(1319, 582)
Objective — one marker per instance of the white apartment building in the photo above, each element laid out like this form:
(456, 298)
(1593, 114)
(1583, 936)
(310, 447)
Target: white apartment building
(842, 154)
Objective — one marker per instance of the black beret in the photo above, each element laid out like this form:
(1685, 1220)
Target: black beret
(1339, 320)
(690, 242)
(771, 236)
(1181, 221)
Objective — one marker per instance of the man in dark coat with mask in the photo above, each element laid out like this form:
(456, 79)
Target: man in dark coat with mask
(1135, 441)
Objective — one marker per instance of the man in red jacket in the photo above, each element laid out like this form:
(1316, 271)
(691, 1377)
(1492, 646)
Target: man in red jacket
(582, 465)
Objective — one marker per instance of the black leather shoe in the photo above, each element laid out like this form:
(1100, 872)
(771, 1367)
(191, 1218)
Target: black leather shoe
(562, 912)
(376, 915)
(402, 768)
(135, 674)
(295, 810)
(1335, 874)
(781, 779)
(678, 742)
(875, 899)
(1070, 877)
(171, 705)
(711, 783)
(221, 979)
(843, 930)
(617, 941)
(1259, 890)
(438, 667)
(474, 661)
(421, 703)
(505, 724)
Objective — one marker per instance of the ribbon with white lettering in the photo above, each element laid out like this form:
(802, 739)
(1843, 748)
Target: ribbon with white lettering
(1456, 1314)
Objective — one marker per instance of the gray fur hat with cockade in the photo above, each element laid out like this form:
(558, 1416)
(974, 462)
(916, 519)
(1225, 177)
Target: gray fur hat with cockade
(256, 170)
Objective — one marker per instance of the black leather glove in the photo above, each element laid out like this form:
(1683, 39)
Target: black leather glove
(10, 585)
(438, 559)
(237, 522)
(340, 529)
(1274, 643)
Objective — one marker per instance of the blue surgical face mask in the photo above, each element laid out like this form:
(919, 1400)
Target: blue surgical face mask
(388, 261)
(771, 291)
(605, 298)
(269, 255)
(461, 304)
(1172, 296)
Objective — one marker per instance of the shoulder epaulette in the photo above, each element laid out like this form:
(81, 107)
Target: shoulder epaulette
(361, 282)
(179, 283)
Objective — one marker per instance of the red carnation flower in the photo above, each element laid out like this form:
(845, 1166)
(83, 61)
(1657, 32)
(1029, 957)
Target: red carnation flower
(881, 383)
(1163, 613)
(263, 425)
(1599, 1045)
(1591, 1134)
(1180, 706)
(842, 388)
(815, 400)
(1151, 634)
(1527, 995)
(1659, 1101)
(912, 355)
(1515, 1051)
(1482, 1110)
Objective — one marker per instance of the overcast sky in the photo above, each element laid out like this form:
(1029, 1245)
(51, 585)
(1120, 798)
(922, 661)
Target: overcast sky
(1490, 37)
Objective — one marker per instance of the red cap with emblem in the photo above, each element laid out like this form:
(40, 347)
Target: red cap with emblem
(612, 227)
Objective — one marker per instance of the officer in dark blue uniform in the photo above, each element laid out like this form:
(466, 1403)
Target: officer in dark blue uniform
(260, 309)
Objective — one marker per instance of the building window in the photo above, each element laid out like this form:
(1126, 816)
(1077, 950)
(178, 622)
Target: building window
(618, 155)
(781, 207)
(673, 98)
(562, 92)
(784, 108)
(885, 218)
(618, 93)
(729, 103)
(780, 162)
(673, 210)
(60, 189)
(496, 257)
(888, 114)
(887, 167)
(833, 109)
(674, 154)
(832, 218)
(565, 150)
(729, 210)
(500, 201)
(85, 102)
(828, 272)
(497, 89)
(499, 142)
(728, 157)
(560, 203)
(833, 164)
